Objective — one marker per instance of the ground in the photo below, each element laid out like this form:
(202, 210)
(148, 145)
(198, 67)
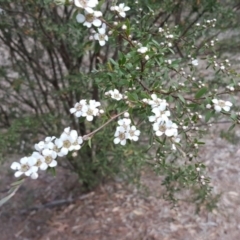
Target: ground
(54, 207)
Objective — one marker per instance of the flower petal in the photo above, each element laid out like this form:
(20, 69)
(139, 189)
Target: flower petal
(80, 18)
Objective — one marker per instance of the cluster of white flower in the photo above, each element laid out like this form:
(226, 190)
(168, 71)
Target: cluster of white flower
(114, 94)
(47, 152)
(223, 66)
(88, 110)
(220, 105)
(162, 125)
(125, 131)
(120, 9)
(143, 50)
(207, 23)
(93, 18)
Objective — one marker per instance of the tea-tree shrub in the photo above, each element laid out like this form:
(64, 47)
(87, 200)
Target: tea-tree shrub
(109, 87)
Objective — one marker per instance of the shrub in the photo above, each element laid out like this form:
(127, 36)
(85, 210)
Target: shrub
(133, 69)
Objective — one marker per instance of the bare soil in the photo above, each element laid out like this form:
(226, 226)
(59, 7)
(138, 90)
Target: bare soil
(53, 208)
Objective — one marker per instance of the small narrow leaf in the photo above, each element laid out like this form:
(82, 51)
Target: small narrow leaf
(90, 142)
(201, 92)
(181, 98)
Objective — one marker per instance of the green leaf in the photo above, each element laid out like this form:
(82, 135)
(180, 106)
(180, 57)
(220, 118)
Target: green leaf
(90, 142)
(133, 96)
(208, 116)
(12, 191)
(181, 98)
(201, 92)
(232, 127)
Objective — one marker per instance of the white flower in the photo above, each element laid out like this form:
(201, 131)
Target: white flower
(40, 161)
(133, 133)
(49, 157)
(124, 27)
(46, 144)
(56, 149)
(125, 123)
(142, 50)
(39, 146)
(208, 106)
(115, 94)
(101, 36)
(68, 141)
(157, 102)
(26, 167)
(220, 104)
(147, 57)
(79, 108)
(160, 115)
(195, 62)
(222, 67)
(168, 128)
(160, 30)
(121, 9)
(90, 18)
(91, 110)
(86, 4)
(120, 136)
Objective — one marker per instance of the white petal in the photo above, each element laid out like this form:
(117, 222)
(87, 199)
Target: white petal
(90, 118)
(46, 152)
(43, 166)
(34, 175)
(24, 160)
(18, 174)
(217, 108)
(101, 30)
(137, 132)
(228, 103)
(98, 14)
(32, 161)
(152, 118)
(158, 133)
(215, 101)
(226, 108)
(15, 166)
(80, 18)
(126, 8)
(80, 140)
(59, 143)
(72, 110)
(64, 151)
(97, 22)
(54, 154)
(89, 9)
(116, 140)
(96, 36)
(34, 169)
(135, 138)
(122, 14)
(123, 142)
(53, 163)
(87, 24)
(78, 114)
